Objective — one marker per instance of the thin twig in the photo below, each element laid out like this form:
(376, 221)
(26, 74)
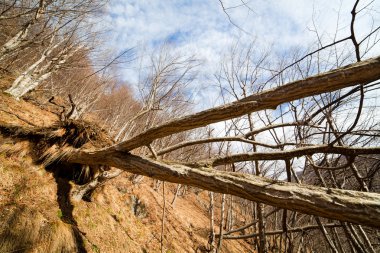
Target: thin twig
(163, 217)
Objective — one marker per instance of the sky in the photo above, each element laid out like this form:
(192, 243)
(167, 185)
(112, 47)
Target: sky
(204, 29)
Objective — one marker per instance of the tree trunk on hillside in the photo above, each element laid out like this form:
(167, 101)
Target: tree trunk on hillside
(358, 73)
(345, 205)
(19, 39)
(41, 70)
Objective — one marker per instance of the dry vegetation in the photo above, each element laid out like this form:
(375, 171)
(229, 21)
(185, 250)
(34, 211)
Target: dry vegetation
(75, 145)
(121, 217)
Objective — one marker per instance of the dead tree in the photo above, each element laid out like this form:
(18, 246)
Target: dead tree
(345, 205)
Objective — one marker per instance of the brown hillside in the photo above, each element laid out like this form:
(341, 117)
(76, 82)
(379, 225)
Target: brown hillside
(38, 215)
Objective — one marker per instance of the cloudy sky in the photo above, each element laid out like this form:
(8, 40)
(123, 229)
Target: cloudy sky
(201, 27)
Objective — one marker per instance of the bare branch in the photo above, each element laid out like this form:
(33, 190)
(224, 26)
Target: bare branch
(286, 154)
(273, 126)
(230, 19)
(219, 139)
(345, 205)
(349, 162)
(358, 73)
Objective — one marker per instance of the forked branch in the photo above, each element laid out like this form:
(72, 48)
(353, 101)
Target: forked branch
(359, 73)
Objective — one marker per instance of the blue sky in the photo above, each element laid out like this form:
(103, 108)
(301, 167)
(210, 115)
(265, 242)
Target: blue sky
(200, 27)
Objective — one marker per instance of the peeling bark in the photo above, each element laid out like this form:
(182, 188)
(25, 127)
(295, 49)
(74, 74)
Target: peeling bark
(344, 205)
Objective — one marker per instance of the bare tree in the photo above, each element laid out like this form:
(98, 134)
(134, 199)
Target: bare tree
(162, 87)
(300, 141)
(44, 67)
(32, 15)
(336, 204)
(56, 30)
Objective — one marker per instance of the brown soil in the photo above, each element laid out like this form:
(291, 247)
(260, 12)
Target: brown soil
(37, 214)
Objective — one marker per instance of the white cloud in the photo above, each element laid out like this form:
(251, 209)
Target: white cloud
(202, 28)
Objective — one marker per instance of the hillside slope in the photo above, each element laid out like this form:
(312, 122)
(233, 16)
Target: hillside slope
(39, 216)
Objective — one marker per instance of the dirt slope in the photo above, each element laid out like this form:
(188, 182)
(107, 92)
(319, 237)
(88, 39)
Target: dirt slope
(38, 216)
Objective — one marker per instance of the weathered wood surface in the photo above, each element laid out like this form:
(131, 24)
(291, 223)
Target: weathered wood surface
(344, 205)
(358, 73)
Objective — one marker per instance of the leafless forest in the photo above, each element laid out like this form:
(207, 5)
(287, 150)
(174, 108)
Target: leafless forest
(299, 150)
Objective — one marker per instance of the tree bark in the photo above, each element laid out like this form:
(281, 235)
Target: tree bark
(219, 245)
(212, 231)
(357, 73)
(344, 205)
(41, 70)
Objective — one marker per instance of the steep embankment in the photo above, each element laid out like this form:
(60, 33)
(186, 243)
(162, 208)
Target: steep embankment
(38, 215)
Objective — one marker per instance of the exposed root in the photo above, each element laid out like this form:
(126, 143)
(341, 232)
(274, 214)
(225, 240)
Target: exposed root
(49, 145)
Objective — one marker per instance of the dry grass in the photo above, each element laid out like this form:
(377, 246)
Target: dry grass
(6, 79)
(38, 216)
(27, 230)
(32, 219)
(28, 204)
(22, 113)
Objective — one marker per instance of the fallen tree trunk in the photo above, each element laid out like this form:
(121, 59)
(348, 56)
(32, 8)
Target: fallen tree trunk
(344, 205)
(358, 73)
